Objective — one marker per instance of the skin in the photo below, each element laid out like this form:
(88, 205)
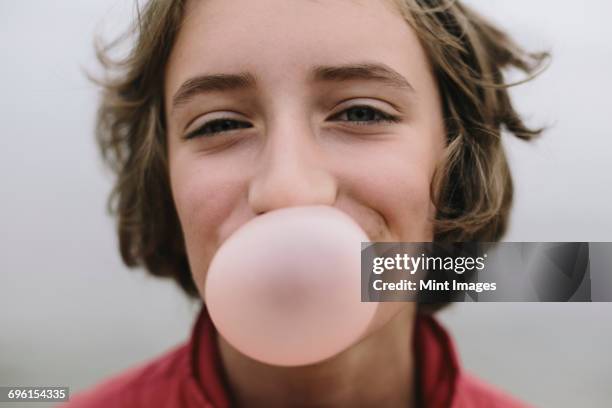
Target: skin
(291, 141)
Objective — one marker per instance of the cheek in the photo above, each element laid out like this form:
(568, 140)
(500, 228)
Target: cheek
(406, 200)
(205, 198)
(394, 179)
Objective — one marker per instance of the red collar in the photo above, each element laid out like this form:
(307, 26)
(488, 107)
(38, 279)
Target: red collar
(437, 364)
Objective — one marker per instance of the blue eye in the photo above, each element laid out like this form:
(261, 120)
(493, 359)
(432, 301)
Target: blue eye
(364, 115)
(218, 126)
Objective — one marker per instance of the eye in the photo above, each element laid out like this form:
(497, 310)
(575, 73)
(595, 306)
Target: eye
(218, 126)
(363, 115)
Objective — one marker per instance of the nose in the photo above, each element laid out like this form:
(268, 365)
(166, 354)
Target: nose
(292, 172)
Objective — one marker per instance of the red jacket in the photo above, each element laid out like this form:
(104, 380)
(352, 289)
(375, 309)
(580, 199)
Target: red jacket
(187, 376)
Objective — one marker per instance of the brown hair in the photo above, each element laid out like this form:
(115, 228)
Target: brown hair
(472, 187)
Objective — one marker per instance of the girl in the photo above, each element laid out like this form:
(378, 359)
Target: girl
(388, 110)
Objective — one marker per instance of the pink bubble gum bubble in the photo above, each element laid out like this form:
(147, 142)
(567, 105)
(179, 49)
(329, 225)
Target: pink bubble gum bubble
(284, 289)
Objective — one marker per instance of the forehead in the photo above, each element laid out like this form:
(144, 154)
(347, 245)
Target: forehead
(280, 39)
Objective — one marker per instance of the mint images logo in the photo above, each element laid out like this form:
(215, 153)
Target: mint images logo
(489, 272)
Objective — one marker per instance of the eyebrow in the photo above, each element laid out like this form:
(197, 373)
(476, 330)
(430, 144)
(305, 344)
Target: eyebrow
(209, 83)
(362, 71)
(332, 73)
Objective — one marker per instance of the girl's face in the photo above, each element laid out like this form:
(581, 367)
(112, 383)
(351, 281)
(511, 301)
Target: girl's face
(277, 103)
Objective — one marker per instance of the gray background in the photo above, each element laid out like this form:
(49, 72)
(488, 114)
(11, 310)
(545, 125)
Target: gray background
(71, 314)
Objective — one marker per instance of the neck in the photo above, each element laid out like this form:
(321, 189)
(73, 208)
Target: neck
(378, 371)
